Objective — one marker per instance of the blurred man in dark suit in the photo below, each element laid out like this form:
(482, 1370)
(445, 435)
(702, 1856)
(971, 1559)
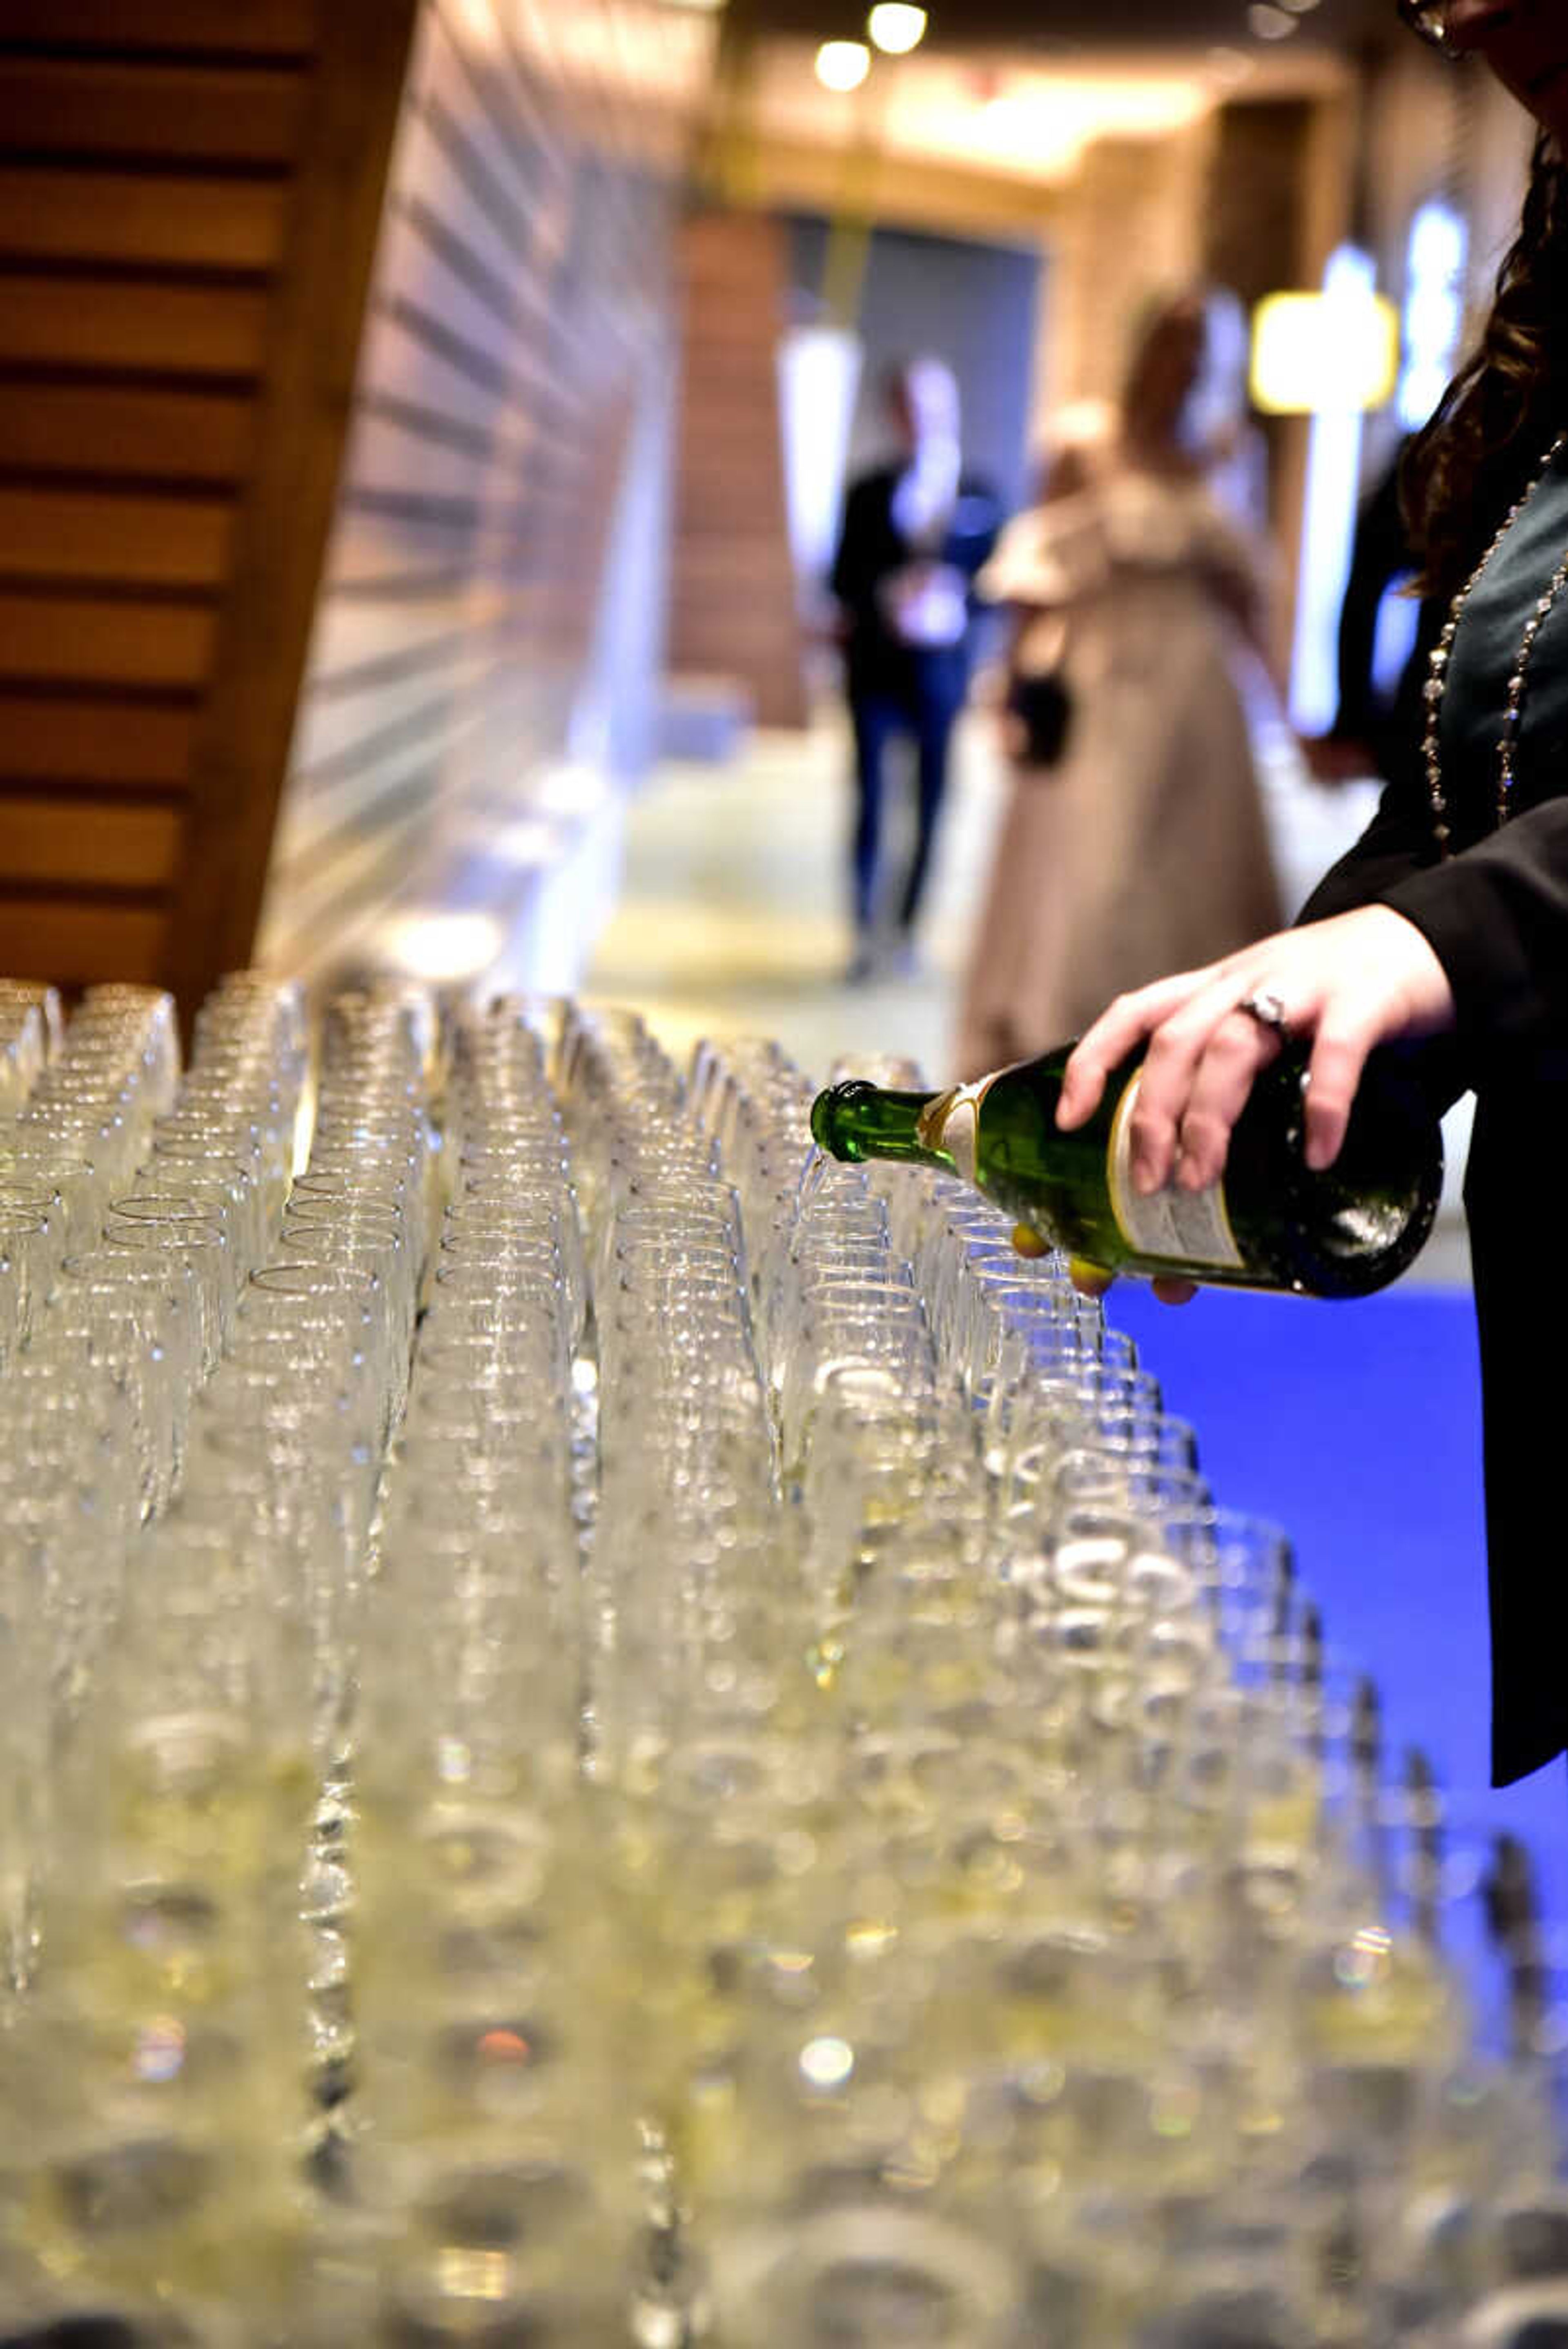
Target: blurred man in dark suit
(916, 532)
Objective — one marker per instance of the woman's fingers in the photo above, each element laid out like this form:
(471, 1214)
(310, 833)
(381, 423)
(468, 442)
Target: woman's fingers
(1343, 987)
(1338, 1057)
(1172, 1291)
(1118, 1030)
(1094, 1280)
(1234, 1054)
(1196, 1078)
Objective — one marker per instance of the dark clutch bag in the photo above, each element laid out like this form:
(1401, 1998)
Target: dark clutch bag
(1040, 710)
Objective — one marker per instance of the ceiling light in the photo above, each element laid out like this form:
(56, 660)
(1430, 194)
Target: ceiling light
(843, 65)
(1268, 23)
(897, 29)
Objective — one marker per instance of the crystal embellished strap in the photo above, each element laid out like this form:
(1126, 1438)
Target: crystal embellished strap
(1439, 662)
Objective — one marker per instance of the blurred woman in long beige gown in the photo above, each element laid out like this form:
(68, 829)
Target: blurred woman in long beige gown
(1145, 848)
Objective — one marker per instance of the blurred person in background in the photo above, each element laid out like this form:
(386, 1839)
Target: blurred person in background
(915, 532)
(1374, 731)
(1445, 930)
(1135, 835)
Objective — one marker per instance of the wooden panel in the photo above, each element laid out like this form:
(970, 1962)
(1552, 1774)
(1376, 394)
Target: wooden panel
(238, 27)
(91, 844)
(733, 610)
(105, 323)
(102, 429)
(184, 222)
(55, 737)
(260, 654)
(75, 940)
(93, 639)
(71, 106)
(77, 535)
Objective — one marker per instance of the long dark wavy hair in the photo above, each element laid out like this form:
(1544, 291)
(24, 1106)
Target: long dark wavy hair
(1501, 412)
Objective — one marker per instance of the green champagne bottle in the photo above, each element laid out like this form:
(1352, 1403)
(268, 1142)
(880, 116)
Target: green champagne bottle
(1269, 1222)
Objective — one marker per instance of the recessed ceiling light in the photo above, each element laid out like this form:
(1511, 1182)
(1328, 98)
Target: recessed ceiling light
(897, 29)
(1268, 22)
(843, 65)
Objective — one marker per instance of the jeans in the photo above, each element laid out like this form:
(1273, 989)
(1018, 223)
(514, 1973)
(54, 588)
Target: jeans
(880, 720)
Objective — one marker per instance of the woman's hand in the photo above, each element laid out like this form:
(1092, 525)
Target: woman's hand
(1342, 986)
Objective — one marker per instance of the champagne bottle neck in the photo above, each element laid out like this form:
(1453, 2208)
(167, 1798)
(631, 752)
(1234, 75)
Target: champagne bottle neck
(857, 1121)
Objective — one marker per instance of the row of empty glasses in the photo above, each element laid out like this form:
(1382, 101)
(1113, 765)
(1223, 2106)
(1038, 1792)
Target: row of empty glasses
(613, 1735)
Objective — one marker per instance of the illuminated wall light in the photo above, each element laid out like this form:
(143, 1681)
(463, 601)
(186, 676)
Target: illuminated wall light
(1268, 23)
(1332, 353)
(843, 65)
(896, 28)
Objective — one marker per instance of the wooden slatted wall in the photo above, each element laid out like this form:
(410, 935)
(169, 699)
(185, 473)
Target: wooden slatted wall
(736, 612)
(144, 174)
(521, 302)
(191, 203)
(187, 188)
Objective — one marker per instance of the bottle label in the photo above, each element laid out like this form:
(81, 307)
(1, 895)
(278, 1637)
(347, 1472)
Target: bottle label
(1190, 1226)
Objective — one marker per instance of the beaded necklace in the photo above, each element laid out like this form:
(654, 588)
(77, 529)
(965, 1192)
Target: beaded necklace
(1438, 670)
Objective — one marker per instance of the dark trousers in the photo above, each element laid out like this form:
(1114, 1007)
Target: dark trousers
(878, 720)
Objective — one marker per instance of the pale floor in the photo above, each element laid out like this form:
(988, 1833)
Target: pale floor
(732, 915)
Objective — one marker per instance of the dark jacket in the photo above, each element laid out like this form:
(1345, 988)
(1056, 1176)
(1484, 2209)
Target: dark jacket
(871, 548)
(1380, 556)
(1497, 917)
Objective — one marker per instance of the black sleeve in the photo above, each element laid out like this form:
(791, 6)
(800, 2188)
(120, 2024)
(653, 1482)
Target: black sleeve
(1400, 841)
(1497, 918)
(1396, 843)
(1395, 853)
(1496, 915)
